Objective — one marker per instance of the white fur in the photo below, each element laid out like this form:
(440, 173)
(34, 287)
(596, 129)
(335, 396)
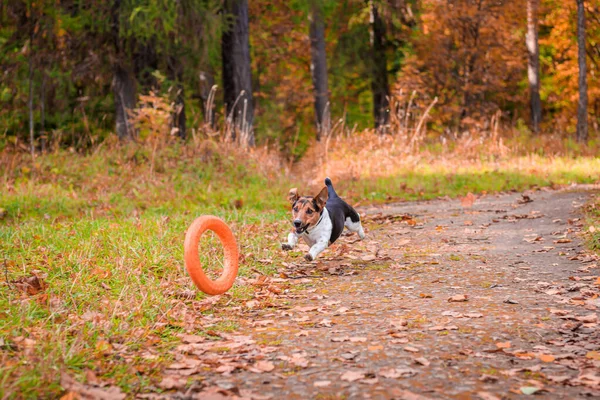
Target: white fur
(355, 227)
(318, 237)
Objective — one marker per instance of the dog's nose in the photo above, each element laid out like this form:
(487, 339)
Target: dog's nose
(297, 223)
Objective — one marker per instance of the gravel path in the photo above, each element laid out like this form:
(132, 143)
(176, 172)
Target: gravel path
(486, 298)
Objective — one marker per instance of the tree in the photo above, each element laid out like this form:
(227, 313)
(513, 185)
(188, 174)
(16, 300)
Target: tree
(237, 76)
(379, 78)
(123, 80)
(582, 125)
(533, 65)
(318, 69)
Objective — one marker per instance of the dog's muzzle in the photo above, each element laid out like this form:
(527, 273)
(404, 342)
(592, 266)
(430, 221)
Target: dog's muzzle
(299, 228)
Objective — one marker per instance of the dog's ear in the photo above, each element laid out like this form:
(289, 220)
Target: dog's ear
(293, 195)
(322, 197)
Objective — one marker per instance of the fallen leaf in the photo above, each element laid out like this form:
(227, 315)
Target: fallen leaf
(593, 355)
(422, 361)
(264, 366)
(411, 349)
(263, 322)
(503, 345)
(351, 376)
(488, 378)
(321, 383)
(487, 396)
(325, 322)
(590, 318)
(89, 392)
(468, 200)
(389, 373)
(546, 357)
(558, 378)
(529, 390)
(458, 298)
(563, 241)
(340, 339)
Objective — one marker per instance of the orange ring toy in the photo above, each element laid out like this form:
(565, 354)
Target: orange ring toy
(192, 258)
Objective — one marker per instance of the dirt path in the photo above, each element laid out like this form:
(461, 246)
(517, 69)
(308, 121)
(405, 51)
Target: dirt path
(374, 319)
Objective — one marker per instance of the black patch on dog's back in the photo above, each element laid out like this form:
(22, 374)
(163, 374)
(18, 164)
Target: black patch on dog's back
(338, 211)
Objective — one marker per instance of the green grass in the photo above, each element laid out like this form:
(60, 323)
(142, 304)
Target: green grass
(593, 224)
(106, 236)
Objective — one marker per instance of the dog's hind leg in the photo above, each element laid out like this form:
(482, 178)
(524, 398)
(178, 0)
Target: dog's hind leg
(355, 227)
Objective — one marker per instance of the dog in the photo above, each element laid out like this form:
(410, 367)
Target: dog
(320, 220)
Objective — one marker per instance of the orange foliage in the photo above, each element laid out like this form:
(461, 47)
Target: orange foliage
(471, 56)
(560, 71)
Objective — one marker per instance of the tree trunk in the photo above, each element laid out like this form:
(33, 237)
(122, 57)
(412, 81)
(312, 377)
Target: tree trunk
(237, 77)
(533, 65)
(124, 94)
(176, 75)
(30, 100)
(43, 137)
(318, 69)
(379, 79)
(123, 82)
(582, 125)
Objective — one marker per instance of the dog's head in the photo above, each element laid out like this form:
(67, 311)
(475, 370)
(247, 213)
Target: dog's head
(306, 210)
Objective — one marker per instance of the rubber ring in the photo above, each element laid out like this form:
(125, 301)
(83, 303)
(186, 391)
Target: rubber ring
(192, 258)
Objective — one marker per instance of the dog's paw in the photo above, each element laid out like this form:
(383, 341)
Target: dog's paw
(308, 257)
(285, 246)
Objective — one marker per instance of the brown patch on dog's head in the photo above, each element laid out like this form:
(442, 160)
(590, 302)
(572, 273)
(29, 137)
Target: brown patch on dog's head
(306, 210)
(293, 195)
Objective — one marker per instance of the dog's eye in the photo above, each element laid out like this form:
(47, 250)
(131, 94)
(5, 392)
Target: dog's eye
(309, 211)
(295, 209)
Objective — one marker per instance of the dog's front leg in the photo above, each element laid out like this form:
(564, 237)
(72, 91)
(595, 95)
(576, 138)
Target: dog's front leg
(316, 249)
(291, 243)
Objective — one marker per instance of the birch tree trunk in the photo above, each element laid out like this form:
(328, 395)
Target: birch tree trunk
(533, 65)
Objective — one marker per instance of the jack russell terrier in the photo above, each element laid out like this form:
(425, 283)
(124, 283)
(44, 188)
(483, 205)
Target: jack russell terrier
(320, 220)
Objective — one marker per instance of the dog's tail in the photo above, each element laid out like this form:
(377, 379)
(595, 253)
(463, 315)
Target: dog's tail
(330, 190)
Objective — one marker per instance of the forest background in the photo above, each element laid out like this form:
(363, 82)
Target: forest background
(74, 73)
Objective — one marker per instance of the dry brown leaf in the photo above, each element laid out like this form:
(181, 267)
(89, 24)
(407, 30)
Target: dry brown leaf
(590, 318)
(468, 200)
(411, 349)
(593, 355)
(351, 376)
(422, 361)
(546, 357)
(563, 241)
(389, 373)
(264, 366)
(458, 298)
(487, 396)
(503, 345)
